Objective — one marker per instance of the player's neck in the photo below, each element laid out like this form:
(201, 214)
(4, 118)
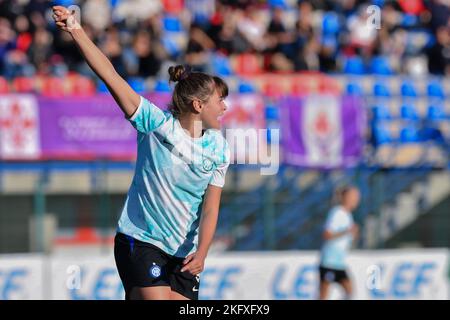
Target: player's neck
(192, 124)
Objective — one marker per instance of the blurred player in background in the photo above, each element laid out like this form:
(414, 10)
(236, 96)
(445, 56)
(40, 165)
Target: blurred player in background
(340, 232)
(162, 239)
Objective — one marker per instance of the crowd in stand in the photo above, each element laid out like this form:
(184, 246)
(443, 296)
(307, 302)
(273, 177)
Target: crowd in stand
(142, 37)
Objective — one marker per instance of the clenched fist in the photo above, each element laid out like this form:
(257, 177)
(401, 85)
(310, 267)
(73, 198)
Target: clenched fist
(65, 19)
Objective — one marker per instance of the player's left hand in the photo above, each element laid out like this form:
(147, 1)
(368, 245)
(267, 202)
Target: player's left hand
(194, 263)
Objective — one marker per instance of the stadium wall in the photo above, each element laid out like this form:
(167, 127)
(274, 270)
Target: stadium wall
(377, 274)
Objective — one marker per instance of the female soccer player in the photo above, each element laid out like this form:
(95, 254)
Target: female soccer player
(339, 233)
(170, 213)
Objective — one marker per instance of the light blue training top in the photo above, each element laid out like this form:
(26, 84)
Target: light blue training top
(173, 170)
(334, 252)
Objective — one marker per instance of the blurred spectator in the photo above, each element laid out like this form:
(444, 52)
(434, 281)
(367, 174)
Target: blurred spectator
(198, 47)
(362, 36)
(439, 53)
(145, 59)
(6, 42)
(251, 26)
(112, 48)
(279, 42)
(97, 13)
(41, 49)
(313, 37)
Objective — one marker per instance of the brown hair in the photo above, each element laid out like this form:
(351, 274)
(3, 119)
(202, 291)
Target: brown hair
(341, 192)
(192, 85)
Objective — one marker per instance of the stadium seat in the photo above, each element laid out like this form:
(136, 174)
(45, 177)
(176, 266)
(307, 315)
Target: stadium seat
(328, 86)
(330, 23)
(381, 90)
(102, 88)
(162, 86)
(171, 46)
(380, 112)
(272, 89)
(246, 87)
(409, 134)
(434, 89)
(277, 3)
(221, 65)
(379, 3)
(4, 87)
(53, 87)
(380, 65)
(435, 112)
(82, 86)
(23, 84)
(173, 6)
(172, 24)
(409, 20)
(381, 135)
(408, 112)
(271, 112)
(408, 90)
(137, 84)
(299, 88)
(354, 65)
(354, 89)
(248, 64)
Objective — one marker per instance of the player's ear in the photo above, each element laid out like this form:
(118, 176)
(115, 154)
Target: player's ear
(197, 105)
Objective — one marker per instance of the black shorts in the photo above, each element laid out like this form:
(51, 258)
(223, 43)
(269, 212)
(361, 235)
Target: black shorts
(142, 264)
(332, 275)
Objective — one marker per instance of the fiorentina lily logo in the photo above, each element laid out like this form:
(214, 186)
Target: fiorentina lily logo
(19, 134)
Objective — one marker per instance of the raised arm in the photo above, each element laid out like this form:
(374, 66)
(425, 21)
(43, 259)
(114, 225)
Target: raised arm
(125, 96)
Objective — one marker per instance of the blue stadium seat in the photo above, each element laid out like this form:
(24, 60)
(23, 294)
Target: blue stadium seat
(330, 23)
(278, 3)
(381, 135)
(137, 84)
(380, 65)
(354, 65)
(381, 90)
(102, 88)
(162, 86)
(172, 24)
(271, 112)
(408, 112)
(435, 112)
(409, 20)
(221, 65)
(434, 89)
(409, 134)
(64, 3)
(171, 46)
(246, 87)
(354, 89)
(408, 90)
(380, 112)
(379, 3)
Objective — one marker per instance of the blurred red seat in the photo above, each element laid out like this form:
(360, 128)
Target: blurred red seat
(173, 6)
(272, 89)
(81, 86)
(4, 88)
(23, 84)
(53, 87)
(248, 64)
(300, 88)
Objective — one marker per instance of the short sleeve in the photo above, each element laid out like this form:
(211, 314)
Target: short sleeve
(147, 117)
(335, 221)
(218, 176)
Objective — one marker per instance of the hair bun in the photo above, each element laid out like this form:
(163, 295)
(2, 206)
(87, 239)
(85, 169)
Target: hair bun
(179, 72)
